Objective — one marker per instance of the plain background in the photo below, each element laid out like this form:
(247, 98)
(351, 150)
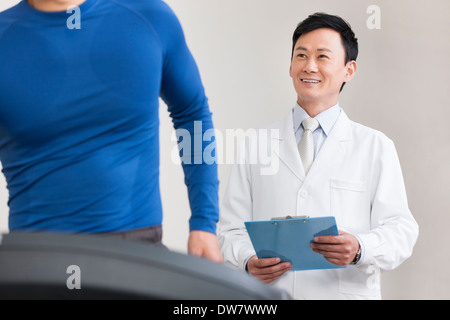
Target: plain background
(242, 48)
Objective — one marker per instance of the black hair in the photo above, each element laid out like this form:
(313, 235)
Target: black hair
(323, 20)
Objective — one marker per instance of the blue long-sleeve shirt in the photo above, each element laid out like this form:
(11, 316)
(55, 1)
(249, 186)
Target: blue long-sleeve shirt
(79, 123)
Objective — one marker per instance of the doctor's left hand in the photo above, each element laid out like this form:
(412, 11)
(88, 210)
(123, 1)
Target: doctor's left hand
(340, 250)
(204, 244)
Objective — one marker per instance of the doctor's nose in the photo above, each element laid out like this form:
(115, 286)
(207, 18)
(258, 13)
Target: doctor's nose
(310, 66)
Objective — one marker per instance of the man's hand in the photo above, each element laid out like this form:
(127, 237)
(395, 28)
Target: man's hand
(340, 250)
(204, 244)
(267, 270)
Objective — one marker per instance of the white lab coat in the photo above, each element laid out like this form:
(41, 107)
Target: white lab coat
(356, 177)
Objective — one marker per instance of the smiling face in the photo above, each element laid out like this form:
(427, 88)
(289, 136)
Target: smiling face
(318, 69)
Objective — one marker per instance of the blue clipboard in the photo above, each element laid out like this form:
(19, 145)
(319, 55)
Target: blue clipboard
(290, 239)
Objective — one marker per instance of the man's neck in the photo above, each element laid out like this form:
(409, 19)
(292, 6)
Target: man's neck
(313, 108)
(54, 5)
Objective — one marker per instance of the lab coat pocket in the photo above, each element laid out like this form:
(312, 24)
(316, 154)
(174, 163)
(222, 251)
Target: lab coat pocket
(357, 186)
(350, 204)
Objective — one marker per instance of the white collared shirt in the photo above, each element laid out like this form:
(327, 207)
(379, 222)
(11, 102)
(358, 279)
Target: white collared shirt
(326, 119)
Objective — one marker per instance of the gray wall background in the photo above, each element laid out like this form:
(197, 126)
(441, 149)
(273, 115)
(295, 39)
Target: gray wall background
(242, 48)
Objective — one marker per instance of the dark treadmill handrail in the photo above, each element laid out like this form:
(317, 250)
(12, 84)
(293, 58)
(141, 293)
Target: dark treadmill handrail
(35, 266)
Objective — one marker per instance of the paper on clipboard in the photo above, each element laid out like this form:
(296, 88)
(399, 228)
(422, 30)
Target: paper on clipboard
(290, 239)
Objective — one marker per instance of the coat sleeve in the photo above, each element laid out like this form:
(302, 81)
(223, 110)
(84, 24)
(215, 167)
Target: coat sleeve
(393, 231)
(237, 207)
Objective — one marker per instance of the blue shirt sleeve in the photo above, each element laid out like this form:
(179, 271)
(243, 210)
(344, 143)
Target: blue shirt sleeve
(184, 94)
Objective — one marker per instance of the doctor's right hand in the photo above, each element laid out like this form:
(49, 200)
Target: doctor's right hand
(268, 269)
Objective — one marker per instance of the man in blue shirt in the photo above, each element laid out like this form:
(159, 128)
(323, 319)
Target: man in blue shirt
(79, 124)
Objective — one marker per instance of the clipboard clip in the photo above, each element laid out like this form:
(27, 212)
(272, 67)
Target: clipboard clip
(290, 217)
(287, 218)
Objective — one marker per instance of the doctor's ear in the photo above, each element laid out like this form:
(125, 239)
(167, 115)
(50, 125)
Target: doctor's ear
(350, 70)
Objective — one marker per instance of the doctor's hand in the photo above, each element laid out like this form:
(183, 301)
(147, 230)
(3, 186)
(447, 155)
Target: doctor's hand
(204, 244)
(268, 269)
(340, 250)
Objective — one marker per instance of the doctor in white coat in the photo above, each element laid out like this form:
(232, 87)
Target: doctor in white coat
(355, 176)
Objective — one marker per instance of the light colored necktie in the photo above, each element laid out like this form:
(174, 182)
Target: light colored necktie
(306, 145)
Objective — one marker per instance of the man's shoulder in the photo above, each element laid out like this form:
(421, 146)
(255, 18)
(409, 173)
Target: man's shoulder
(145, 8)
(364, 132)
(9, 16)
(158, 15)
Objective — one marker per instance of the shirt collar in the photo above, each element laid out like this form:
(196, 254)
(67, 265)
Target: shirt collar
(326, 119)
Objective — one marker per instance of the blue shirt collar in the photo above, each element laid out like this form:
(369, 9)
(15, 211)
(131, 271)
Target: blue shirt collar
(326, 119)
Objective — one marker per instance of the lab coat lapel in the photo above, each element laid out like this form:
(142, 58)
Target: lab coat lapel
(333, 149)
(288, 151)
